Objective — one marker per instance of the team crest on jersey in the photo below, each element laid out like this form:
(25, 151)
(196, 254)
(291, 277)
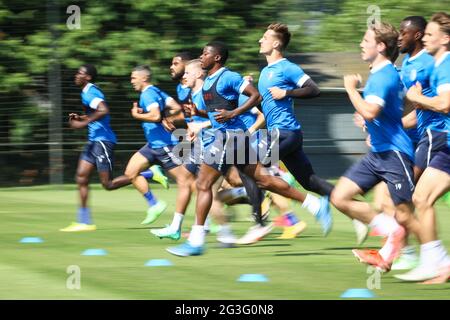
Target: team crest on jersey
(270, 75)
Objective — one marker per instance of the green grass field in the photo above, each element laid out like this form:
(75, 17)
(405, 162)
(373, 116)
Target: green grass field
(309, 267)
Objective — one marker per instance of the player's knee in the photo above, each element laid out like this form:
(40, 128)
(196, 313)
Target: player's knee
(131, 174)
(81, 179)
(402, 216)
(184, 184)
(203, 184)
(106, 185)
(338, 200)
(234, 181)
(420, 201)
(264, 182)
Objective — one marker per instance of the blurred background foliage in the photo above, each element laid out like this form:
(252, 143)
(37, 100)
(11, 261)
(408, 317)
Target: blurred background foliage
(117, 35)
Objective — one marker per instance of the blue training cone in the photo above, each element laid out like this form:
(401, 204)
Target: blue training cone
(94, 252)
(31, 240)
(252, 278)
(358, 293)
(158, 263)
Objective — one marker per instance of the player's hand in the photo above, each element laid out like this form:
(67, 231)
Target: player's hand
(414, 92)
(191, 109)
(223, 115)
(74, 116)
(358, 120)
(249, 77)
(352, 81)
(187, 109)
(277, 93)
(135, 110)
(168, 124)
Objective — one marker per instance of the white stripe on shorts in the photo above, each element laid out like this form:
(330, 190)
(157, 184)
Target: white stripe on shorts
(430, 146)
(107, 155)
(272, 143)
(411, 184)
(172, 156)
(223, 151)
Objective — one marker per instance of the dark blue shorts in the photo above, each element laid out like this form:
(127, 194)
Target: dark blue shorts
(162, 156)
(429, 145)
(392, 167)
(441, 161)
(229, 148)
(287, 146)
(99, 153)
(196, 156)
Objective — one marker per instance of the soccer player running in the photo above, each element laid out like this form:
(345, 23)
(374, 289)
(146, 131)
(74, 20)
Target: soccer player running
(391, 156)
(197, 132)
(281, 81)
(160, 143)
(221, 92)
(434, 263)
(176, 70)
(98, 152)
(417, 66)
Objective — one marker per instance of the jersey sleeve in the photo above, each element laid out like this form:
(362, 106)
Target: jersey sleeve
(149, 100)
(94, 97)
(296, 75)
(377, 91)
(235, 81)
(443, 79)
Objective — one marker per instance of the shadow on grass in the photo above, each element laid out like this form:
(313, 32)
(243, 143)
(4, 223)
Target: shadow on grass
(351, 248)
(263, 245)
(301, 254)
(276, 239)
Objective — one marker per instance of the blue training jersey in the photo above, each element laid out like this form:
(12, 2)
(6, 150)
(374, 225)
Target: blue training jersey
(385, 89)
(419, 69)
(284, 75)
(157, 136)
(248, 117)
(207, 134)
(440, 83)
(183, 93)
(229, 86)
(99, 130)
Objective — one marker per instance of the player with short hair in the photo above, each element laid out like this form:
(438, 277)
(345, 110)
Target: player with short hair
(153, 103)
(391, 156)
(434, 263)
(279, 83)
(98, 152)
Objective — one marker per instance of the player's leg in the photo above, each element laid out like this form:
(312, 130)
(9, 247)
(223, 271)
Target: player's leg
(206, 178)
(139, 161)
(383, 203)
(298, 164)
(433, 254)
(225, 234)
(290, 152)
(278, 185)
(184, 179)
(86, 165)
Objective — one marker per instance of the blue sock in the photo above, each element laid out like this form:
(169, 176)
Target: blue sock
(147, 174)
(150, 198)
(292, 218)
(84, 215)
